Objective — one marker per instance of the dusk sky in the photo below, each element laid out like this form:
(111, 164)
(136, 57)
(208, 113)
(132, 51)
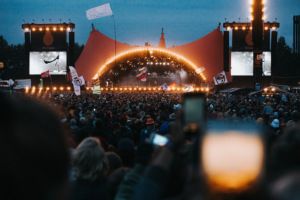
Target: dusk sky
(139, 21)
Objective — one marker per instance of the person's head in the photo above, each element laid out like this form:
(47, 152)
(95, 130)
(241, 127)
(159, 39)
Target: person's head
(149, 122)
(90, 162)
(114, 161)
(286, 187)
(33, 150)
(126, 150)
(286, 151)
(275, 124)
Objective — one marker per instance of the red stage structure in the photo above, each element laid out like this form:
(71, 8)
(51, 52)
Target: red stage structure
(99, 51)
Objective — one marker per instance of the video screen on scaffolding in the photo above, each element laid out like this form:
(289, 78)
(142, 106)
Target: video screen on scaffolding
(267, 63)
(54, 61)
(242, 64)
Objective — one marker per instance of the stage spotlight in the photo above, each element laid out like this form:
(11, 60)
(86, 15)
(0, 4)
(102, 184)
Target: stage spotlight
(33, 29)
(244, 28)
(236, 28)
(54, 28)
(26, 89)
(274, 28)
(26, 29)
(228, 28)
(47, 29)
(61, 29)
(61, 88)
(266, 28)
(40, 29)
(68, 29)
(68, 88)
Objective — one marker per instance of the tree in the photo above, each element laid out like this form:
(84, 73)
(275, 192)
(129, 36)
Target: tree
(284, 60)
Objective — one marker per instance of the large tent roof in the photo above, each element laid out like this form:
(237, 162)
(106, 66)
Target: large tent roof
(205, 52)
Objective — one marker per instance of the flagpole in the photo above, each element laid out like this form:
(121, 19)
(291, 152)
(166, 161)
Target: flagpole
(115, 34)
(50, 79)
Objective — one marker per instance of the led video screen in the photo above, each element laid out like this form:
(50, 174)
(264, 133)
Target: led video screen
(267, 64)
(54, 61)
(242, 63)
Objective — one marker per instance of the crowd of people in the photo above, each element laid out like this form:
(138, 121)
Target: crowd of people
(99, 146)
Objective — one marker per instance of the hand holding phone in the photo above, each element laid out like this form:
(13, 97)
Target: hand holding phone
(158, 140)
(194, 105)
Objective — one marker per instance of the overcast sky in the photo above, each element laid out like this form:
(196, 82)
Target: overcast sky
(139, 21)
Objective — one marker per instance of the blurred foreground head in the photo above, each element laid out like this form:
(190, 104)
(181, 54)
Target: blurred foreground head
(34, 156)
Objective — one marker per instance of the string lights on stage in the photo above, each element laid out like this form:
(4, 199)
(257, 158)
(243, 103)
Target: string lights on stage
(124, 89)
(48, 27)
(103, 68)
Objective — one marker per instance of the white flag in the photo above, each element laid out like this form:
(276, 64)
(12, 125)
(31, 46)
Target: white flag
(77, 81)
(73, 72)
(99, 11)
(220, 78)
(96, 89)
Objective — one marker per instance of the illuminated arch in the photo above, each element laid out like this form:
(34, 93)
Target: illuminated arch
(103, 68)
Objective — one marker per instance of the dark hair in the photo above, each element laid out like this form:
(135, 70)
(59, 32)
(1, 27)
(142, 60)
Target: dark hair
(33, 150)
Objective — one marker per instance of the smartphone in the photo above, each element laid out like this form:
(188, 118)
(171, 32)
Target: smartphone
(158, 140)
(194, 109)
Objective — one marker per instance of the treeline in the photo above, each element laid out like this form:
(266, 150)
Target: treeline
(287, 64)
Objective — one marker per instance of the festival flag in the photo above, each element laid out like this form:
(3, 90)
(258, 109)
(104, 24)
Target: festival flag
(45, 74)
(220, 78)
(165, 87)
(77, 81)
(99, 12)
(142, 75)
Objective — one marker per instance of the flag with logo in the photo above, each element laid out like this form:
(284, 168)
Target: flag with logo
(77, 81)
(99, 12)
(220, 78)
(45, 74)
(164, 87)
(142, 74)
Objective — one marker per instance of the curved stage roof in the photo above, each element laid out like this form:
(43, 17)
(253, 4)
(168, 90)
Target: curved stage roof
(205, 52)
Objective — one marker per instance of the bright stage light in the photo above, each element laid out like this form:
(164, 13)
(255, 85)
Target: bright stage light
(54, 28)
(40, 29)
(228, 28)
(236, 28)
(33, 29)
(26, 29)
(266, 28)
(47, 28)
(68, 29)
(274, 28)
(68, 88)
(26, 89)
(61, 29)
(244, 28)
(54, 88)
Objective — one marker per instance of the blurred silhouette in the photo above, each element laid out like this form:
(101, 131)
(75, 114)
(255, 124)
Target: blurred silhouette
(34, 155)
